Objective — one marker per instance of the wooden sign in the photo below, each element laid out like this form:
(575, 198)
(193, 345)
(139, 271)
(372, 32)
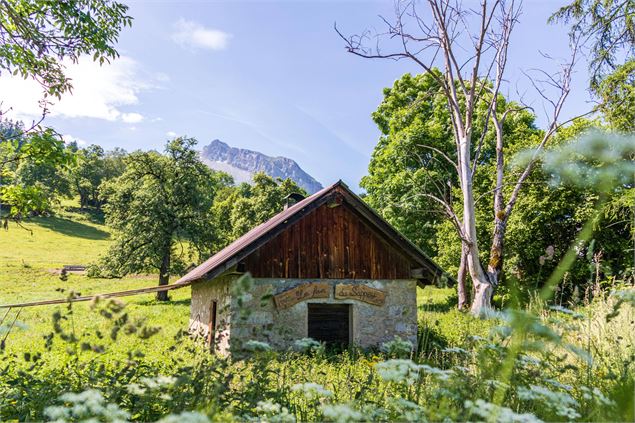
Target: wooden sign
(360, 293)
(302, 292)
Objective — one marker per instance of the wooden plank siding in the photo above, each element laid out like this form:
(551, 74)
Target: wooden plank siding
(329, 243)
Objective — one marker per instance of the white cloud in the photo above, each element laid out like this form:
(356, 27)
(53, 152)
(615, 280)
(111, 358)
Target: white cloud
(171, 134)
(98, 92)
(68, 138)
(194, 35)
(131, 117)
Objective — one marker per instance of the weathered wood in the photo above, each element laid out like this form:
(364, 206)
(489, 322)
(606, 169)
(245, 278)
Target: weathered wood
(361, 293)
(302, 292)
(74, 268)
(107, 295)
(329, 243)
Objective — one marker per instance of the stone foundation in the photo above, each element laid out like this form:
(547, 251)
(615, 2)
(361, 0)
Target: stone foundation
(255, 317)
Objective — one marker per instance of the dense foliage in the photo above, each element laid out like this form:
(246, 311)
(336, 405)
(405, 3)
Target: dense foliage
(521, 366)
(31, 168)
(38, 38)
(408, 167)
(160, 210)
(37, 35)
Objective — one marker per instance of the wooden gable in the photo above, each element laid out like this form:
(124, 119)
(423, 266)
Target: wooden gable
(331, 242)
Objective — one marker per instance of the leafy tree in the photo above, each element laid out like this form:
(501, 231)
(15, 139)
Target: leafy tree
(609, 28)
(617, 97)
(412, 167)
(160, 211)
(239, 209)
(38, 34)
(30, 168)
(94, 167)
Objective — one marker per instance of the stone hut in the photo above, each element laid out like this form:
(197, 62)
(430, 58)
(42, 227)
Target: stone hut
(327, 267)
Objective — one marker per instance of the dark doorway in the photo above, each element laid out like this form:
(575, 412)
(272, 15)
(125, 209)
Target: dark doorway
(330, 323)
(211, 330)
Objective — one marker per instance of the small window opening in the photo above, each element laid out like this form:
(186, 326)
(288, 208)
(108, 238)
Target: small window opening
(330, 323)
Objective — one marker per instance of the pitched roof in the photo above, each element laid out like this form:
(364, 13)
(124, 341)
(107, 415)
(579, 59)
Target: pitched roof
(258, 236)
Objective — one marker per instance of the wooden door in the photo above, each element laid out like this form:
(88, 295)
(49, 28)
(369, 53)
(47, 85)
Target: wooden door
(211, 330)
(330, 323)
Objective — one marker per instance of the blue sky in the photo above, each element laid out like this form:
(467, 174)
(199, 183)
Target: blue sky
(268, 76)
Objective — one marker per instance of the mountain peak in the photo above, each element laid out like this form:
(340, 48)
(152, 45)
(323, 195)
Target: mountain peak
(242, 164)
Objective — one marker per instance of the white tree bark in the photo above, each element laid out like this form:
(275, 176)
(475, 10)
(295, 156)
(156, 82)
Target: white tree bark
(465, 85)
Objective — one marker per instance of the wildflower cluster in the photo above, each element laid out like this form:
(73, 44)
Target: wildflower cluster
(398, 347)
(87, 405)
(307, 345)
(312, 390)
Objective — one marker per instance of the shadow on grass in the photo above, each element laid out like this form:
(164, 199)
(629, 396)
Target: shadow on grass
(93, 215)
(71, 228)
(430, 340)
(154, 302)
(444, 305)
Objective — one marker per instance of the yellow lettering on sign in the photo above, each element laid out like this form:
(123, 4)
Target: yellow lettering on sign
(360, 293)
(302, 292)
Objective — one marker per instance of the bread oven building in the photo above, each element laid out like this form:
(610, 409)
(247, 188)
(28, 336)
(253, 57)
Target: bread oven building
(327, 267)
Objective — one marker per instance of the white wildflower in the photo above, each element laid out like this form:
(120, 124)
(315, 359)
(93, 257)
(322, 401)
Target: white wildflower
(57, 413)
(271, 412)
(559, 385)
(268, 407)
(307, 344)
(185, 417)
(528, 360)
(135, 389)
(596, 395)
(397, 347)
(312, 390)
(561, 403)
(253, 346)
(436, 372)
(398, 370)
(87, 405)
(341, 413)
(487, 410)
(407, 411)
(158, 382)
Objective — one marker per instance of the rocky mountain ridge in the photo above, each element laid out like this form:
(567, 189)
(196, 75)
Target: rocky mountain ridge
(242, 164)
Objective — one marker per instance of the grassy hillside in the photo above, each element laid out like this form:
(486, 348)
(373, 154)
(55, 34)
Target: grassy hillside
(30, 262)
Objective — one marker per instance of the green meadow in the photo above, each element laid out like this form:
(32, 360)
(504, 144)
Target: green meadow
(130, 358)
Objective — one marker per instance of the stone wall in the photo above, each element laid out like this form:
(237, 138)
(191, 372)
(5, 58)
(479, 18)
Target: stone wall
(372, 325)
(203, 293)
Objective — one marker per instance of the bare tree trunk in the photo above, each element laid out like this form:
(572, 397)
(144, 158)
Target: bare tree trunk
(461, 277)
(495, 265)
(164, 276)
(482, 286)
(464, 89)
